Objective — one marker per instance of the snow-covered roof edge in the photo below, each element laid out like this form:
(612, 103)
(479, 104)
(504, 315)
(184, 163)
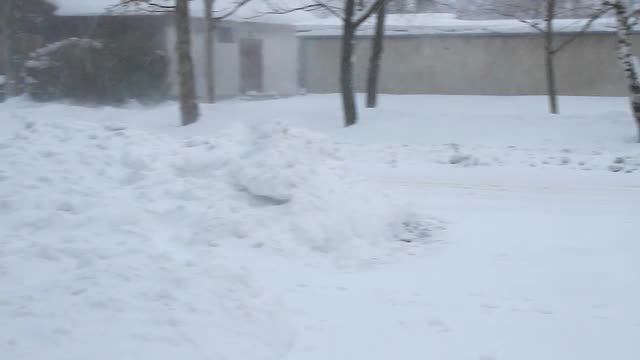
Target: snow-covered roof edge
(447, 24)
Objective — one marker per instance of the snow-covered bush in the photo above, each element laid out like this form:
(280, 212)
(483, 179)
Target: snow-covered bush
(73, 69)
(86, 70)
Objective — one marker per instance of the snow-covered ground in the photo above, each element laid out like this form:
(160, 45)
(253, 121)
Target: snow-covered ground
(440, 227)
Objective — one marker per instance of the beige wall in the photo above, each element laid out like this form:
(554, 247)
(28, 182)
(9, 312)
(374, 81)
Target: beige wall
(471, 64)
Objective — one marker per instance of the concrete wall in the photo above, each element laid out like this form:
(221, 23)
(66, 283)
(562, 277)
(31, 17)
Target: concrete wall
(471, 64)
(280, 57)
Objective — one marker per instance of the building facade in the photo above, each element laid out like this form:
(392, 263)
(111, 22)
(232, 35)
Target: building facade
(470, 64)
(250, 57)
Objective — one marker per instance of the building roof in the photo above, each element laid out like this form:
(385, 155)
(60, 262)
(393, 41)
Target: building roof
(431, 23)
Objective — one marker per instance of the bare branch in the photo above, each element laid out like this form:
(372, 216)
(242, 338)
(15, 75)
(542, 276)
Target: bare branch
(373, 8)
(150, 6)
(511, 11)
(315, 6)
(138, 3)
(534, 24)
(597, 15)
(238, 5)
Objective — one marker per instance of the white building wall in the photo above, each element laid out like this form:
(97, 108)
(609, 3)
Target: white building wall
(280, 64)
(280, 58)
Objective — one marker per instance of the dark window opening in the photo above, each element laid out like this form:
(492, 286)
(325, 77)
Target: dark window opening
(225, 35)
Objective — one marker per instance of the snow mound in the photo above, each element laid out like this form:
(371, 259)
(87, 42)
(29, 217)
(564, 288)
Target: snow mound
(297, 195)
(281, 161)
(118, 244)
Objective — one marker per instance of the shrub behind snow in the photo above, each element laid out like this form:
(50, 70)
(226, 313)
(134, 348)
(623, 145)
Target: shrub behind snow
(86, 70)
(70, 69)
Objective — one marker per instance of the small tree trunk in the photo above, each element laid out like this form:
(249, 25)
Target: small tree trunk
(551, 82)
(376, 56)
(627, 60)
(188, 105)
(210, 51)
(552, 91)
(10, 32)
(346, 66)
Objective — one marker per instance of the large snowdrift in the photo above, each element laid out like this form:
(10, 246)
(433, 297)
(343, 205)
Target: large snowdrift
(114, 243)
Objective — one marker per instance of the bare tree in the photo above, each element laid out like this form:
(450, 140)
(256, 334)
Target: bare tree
(209, 42)
(626, 18)
(351, 21)
(541, 15)
(549, 52)
(373, 73)
(210, 24)
(482, 9)
(189, 110)
(346, 64)
(352, 14)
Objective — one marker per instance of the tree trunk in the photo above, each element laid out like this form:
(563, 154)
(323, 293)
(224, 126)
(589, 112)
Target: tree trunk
(10, 63)
(552, 90)
(346, 66)
(376, 56)
(188, 105)
(627, 60)
(209, 40)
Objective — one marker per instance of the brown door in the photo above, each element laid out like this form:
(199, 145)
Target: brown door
(250, 65)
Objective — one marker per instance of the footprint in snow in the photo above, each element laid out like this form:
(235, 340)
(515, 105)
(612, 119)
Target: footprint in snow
(544, 311)
(439, 325)
(487, 357)
(490, 306)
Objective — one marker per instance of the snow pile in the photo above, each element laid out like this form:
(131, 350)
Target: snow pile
(119, 244)
(89, 270)
(295, 185)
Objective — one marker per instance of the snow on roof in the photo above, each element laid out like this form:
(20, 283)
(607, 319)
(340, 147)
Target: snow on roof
(256, 10)
(443, 23)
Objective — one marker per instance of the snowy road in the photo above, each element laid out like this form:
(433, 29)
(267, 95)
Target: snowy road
(525, 271)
